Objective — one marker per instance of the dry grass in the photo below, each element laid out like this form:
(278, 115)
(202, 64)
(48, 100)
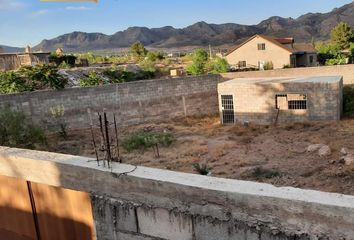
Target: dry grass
(238, 151)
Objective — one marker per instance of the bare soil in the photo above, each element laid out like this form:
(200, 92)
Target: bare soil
(271, 154)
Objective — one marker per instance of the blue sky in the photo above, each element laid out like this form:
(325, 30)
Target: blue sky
(25, 22)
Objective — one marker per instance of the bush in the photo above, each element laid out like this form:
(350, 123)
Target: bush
(43, 76)
(144, 140)
(92, 79)
(12, 82)
(154, 56)
(218, 65)
(57, 113)
(119, 76)
(201, 168)
(31, 78)
(336, 61)
(17, 131)
(348, 100)
(268, 66)
(63, 60)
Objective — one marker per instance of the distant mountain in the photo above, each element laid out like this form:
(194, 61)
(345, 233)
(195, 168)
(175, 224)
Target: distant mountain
(303, 29)
(8, 49)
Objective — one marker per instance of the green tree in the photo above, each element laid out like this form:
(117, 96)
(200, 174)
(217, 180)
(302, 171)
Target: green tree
(154, 56)
(218, 65)
(138, 50)
(200, 59)
(342, 35)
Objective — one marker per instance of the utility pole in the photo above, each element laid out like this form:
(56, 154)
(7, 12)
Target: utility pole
(209, 51)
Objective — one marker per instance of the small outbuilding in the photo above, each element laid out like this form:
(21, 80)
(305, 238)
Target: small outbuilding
(272, 100)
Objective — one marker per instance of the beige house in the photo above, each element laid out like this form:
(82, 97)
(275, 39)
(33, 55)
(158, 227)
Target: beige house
(260, 51)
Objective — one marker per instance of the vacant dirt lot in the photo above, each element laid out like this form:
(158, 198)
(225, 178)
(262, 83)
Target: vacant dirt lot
(272, 154)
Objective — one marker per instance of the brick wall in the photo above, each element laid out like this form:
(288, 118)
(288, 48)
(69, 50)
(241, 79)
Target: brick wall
(347, 71)
(132, 103)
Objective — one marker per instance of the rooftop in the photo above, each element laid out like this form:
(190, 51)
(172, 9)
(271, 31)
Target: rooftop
(315, 79)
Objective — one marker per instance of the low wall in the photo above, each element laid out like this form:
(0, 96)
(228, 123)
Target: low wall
(347, 71)
(13, 61)
(143, 203)
(133, 102)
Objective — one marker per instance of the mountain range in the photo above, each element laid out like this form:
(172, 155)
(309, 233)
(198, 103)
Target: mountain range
(305, 28)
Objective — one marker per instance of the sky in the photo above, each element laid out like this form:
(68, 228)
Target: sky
(27, 22)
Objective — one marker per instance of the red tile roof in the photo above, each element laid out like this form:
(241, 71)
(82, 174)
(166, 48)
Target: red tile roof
(285, 40)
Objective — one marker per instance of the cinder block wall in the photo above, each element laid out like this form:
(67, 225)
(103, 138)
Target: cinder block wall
(340, 70)
(132, 103)
(255, 103)
(139, 203)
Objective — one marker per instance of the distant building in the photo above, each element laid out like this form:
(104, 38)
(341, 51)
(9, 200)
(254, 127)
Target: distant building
(177, 72)
(260, 50)
(13, 61)
(1, 50)
(285, 99)
(59, 51)
(28, 49)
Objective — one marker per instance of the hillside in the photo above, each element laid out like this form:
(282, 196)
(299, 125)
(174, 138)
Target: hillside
(8, 49)
(304, 28)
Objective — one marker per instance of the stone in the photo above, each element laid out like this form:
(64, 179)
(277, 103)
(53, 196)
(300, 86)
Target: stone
(344, 151)
(349, 160)
(314, 147)
(324, 151)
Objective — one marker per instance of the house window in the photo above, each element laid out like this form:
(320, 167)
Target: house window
(261, 46)
(242, 64)
(291, 101)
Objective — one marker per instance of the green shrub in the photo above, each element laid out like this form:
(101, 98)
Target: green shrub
(218, 65)
(43, 77)
(201, 168)
(63, 60)
(336, 61)
(17, 131)
(348, 100)
(119, 76)
(57, 113)
(144, 140)
(268, 66)
(12, 82)
(92, 79)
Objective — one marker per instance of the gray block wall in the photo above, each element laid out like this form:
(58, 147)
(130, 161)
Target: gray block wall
(151, 204)
(133, 102)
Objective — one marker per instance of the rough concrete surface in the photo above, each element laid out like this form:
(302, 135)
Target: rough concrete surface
(161, 200)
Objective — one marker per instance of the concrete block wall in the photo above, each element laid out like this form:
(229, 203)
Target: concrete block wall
(132, 103)
(256, 102)
(339, 70)
(150, 204)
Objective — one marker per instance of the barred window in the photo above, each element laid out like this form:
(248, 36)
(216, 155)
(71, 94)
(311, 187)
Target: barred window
(291, 101)
(227, 104)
